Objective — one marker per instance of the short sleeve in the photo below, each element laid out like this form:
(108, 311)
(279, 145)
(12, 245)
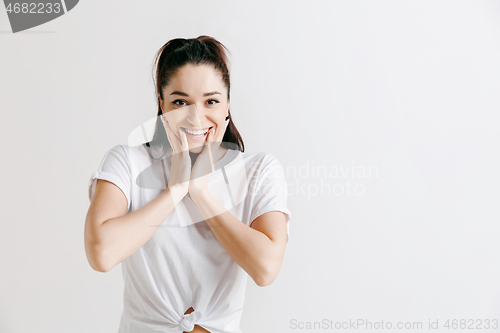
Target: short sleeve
(115, 168)
(269, 190)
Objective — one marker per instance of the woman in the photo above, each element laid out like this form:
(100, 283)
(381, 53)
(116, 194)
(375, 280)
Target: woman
(189, 214)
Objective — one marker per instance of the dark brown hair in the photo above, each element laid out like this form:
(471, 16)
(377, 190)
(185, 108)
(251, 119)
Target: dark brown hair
(203, 50)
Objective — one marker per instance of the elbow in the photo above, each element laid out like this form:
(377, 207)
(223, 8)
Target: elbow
(265, 277)
(94, 249)
(95, 259)
(99, 267)
(263, 282)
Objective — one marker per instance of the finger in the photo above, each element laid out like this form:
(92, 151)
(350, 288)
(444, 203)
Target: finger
(207, 143)
(184, 141)
(220, 135)
(172, 138)
(208, 146)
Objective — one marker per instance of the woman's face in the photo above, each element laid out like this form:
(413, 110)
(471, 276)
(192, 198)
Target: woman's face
(196, 100)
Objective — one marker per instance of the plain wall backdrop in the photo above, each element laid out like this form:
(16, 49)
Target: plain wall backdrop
(396, 100)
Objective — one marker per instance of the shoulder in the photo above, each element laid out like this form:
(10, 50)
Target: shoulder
(261, 161)
(262, 157)
(115, 154)
(125, 156)
(139, 151)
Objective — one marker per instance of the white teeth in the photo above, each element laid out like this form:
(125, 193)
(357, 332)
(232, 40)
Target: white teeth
(198, 133)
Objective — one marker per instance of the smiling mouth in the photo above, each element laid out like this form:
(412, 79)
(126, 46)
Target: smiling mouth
(196, 133)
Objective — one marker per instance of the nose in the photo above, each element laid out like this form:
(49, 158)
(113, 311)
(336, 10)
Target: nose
(195, 115)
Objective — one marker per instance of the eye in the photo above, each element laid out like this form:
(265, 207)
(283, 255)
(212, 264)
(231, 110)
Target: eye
(178, 100)
(213, 100)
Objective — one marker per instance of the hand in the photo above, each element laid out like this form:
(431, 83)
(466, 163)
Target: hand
(180, 170)
(204, 163)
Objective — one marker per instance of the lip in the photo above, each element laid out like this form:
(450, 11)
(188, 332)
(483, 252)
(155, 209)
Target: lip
(197, 138)
(197, 129)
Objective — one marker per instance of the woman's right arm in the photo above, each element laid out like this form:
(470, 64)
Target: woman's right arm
(111, 235)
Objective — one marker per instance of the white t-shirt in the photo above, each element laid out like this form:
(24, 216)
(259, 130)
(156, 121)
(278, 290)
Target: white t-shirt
(183, 264)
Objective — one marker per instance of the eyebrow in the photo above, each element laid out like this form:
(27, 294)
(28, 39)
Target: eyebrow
(205, 94)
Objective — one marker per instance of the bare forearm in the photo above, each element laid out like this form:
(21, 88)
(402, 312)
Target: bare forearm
(118, 238)
(251, 249)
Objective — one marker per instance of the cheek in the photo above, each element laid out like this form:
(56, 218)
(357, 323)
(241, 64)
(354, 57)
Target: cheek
(174, 118)
(221, 123)
(220, 117)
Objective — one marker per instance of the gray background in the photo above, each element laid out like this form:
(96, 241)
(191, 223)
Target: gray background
(406, 87)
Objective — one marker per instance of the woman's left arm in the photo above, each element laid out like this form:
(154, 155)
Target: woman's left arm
(258, 249)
